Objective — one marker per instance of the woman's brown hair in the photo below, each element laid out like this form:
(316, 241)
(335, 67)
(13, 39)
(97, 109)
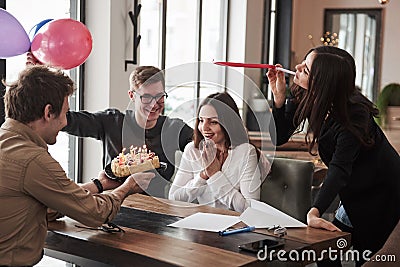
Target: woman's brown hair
(332, 92)
(229, 118)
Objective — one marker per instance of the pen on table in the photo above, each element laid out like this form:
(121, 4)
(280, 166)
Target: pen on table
(236, 231)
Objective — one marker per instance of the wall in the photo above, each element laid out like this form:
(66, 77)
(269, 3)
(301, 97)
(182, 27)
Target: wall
(308, 18)
(245, 33)
(254, 41)
(106, 81)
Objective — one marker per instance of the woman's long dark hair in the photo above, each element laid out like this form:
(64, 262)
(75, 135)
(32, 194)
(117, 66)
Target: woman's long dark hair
(229, 118)
(332, 92)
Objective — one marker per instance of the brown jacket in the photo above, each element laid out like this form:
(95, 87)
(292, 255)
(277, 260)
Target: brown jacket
(32, 181)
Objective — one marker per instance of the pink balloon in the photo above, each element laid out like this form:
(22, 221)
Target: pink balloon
(63, 43)
(14, 40)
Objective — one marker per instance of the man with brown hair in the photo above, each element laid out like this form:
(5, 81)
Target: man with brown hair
(32, 181)
(145, 124)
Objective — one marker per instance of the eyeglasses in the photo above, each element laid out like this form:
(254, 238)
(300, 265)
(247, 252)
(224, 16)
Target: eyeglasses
(147, 99)
(108, 228)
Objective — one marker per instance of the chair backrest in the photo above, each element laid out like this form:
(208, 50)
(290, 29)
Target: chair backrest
(178, 157)
(288, 187)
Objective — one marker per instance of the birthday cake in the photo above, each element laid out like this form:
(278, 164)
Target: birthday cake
(136, 160)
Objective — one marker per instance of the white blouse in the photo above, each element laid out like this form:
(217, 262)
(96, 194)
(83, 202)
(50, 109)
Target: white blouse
(231, 188)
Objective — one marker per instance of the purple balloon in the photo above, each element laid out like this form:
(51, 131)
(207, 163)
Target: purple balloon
(14, 40)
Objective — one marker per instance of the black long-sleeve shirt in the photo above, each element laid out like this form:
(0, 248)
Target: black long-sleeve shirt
(117, 130)
(367, 179)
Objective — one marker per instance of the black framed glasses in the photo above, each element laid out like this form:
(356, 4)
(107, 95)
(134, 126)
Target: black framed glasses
(147, 99)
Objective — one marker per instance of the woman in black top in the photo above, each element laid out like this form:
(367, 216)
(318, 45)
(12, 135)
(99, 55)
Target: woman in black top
(363, 168)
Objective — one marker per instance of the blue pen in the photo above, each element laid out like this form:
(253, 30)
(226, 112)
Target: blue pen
(236, 231)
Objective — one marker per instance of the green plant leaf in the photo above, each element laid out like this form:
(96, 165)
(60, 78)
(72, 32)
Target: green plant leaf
(389, 96)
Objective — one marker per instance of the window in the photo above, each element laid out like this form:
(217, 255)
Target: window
(151, 32)
(29, 13)
(193, 32)
(358, 32)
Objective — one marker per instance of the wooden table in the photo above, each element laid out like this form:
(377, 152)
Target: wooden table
(148, 241)
(263, 141)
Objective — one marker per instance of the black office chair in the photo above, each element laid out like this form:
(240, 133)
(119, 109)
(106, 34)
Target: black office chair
(288, 187)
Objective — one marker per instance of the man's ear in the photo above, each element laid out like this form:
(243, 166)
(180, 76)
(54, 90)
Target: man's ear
(131, 94)
(48, 110)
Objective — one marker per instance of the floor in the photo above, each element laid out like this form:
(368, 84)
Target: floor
(51, 259)
(344, 264)
(51, 262)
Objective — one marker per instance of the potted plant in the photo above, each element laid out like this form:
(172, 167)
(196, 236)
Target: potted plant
(388, 102)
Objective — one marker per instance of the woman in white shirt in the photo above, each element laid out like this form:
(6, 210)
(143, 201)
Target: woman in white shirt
(230, 176)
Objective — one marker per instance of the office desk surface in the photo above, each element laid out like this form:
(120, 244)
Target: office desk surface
(149, 241)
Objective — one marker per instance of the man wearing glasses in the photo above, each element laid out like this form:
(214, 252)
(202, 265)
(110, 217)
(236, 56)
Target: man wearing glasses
(31, 181)
(144, 124)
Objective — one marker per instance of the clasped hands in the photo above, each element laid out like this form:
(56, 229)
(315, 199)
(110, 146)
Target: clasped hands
(211, 158)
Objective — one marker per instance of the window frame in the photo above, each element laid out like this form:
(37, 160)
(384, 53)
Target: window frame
(2, 76)
(77, 8)
(198, 41)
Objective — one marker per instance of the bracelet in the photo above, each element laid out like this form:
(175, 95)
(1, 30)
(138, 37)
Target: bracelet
(98, 184)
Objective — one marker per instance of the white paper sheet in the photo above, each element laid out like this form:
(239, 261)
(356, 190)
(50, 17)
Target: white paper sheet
(262, 215)
(207, 222)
